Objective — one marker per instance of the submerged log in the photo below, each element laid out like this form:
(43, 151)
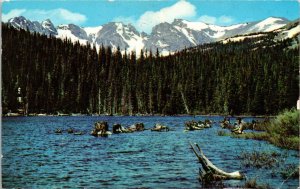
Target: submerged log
(209, 171)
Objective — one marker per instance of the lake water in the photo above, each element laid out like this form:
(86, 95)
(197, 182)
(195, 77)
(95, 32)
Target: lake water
(35, 157)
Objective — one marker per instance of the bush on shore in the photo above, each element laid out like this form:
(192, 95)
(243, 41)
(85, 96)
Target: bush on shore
(283, 131)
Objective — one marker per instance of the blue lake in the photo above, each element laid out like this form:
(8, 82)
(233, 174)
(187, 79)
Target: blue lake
(35, 157)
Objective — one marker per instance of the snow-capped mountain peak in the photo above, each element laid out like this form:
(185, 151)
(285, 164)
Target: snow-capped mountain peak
(166, 37)
(19, 22)
(73, 32)
(48, 25)
(117, 34)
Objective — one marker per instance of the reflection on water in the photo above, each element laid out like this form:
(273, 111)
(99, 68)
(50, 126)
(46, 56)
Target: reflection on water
(36, 157)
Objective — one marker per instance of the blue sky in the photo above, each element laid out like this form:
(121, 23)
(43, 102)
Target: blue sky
(144, 14)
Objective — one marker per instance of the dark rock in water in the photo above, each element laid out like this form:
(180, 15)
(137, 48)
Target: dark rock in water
(117, 128)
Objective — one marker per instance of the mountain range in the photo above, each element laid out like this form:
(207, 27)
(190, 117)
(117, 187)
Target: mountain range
(166, 37)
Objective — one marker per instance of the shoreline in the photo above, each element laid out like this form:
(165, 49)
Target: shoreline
(135, 115)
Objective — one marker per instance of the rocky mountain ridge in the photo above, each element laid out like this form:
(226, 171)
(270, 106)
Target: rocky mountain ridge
(166, 37)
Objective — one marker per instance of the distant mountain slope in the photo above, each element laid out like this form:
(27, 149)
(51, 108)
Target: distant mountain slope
(290, 30)
(166, 37)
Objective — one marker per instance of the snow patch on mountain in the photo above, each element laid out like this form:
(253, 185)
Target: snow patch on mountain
(92, 30)
(197, 26)
(292, 32)
(136, 43)
(268, 25)
(160, 44)
(133, 39)
(236, 26)
(241, 38)
(63, 34)
(188, 35)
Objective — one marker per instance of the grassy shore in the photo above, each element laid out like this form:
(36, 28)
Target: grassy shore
(283, 131)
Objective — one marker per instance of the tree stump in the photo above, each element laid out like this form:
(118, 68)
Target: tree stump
(209, 171)
(101, 129)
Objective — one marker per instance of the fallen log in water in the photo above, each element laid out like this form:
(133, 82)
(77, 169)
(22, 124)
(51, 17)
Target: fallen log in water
(209, 171)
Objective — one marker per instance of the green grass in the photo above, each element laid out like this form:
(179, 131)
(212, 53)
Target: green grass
(265, 159)
(283, 131)
(251, 183)
(290, 171)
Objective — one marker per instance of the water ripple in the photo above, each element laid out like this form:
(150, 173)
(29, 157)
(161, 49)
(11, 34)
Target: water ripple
(35, 157)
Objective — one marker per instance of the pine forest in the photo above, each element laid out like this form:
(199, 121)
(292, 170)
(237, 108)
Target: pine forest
(256, 77)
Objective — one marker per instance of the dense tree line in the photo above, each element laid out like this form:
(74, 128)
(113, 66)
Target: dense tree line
(256, 76)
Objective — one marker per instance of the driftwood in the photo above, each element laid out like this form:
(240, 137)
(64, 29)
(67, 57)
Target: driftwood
(160, 128)
(209, 171)
(118, 128)
(137, 127)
